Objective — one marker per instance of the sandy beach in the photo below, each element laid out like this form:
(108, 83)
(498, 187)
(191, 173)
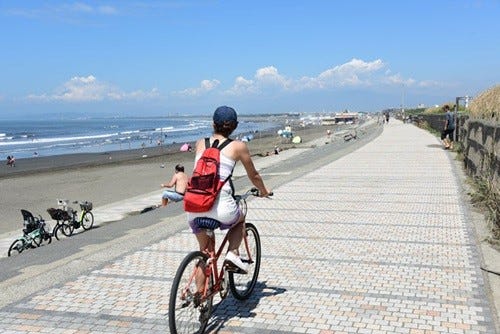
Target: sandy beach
(35, 184)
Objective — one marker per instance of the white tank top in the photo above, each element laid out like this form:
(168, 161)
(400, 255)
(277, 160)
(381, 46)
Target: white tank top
(225, 169)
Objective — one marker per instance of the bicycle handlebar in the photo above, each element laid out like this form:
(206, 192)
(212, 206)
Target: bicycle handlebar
(254, 192)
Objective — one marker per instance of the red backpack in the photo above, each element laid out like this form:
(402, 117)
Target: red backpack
(205, 183)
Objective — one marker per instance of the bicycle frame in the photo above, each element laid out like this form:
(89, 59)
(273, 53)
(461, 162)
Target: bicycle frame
(29, 238)
(82, 213)
(212, 267)
(218, 275)
(191, 297)
(77, 218)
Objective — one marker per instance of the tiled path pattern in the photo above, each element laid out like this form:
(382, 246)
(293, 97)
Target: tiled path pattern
(375, 242)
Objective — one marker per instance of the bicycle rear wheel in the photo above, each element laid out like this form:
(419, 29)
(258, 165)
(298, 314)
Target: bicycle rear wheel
(242, 285)
(47, 237)
(187, 311)
(87, 220)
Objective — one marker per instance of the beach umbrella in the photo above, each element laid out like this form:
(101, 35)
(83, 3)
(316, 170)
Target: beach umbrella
(185, 147)
(297, 140)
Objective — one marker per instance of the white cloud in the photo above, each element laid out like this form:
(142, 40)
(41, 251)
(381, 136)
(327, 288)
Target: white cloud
(62, 11)
(205, 87)
(430, 84)
(242, 86)
(396, 79)
(270, 75)
(353, 73)
(88, 89)
(76, 7)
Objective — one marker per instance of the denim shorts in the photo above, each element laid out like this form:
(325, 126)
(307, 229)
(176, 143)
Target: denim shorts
(172, 196)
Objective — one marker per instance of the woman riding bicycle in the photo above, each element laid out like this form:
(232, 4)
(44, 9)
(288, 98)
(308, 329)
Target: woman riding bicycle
(225, 209)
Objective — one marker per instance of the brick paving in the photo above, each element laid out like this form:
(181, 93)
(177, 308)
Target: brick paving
(378, 241)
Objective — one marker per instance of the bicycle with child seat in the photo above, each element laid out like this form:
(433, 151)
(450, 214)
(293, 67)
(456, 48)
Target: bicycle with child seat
(35, 232)
(68, 219)
(191, 308)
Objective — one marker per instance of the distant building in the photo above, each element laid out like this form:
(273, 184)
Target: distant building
(341, 118)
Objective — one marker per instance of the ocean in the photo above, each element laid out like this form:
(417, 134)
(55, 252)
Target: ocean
(24, 139)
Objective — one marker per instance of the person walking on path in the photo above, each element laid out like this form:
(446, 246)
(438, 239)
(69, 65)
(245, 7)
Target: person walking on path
(179, 181)
(449, 128)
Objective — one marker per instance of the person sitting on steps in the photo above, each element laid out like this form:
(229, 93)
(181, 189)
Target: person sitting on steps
(179, 181)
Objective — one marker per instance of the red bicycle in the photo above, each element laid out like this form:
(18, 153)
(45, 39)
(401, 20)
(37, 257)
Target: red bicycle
(190, 309)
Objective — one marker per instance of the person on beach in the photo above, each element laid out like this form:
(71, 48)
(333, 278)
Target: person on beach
(11, 161)
(449, 128)
(225, 209)
(179, 181)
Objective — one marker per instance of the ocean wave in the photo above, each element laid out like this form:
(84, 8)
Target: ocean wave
(55, 140)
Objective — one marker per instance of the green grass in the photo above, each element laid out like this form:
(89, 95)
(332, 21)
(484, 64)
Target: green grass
(486, 195)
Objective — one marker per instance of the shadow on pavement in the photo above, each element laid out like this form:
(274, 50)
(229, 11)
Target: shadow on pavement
(231, 307)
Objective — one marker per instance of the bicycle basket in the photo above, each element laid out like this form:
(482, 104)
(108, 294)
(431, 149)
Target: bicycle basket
(58, 214)
(87, 206)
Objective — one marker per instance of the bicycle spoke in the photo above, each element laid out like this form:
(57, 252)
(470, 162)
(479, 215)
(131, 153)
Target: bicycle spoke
(189, 312)
(87, 220)
(242, 285)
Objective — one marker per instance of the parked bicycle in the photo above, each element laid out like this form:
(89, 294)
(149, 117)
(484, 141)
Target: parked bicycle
(68, 219)
(35, 232)
(189, 308)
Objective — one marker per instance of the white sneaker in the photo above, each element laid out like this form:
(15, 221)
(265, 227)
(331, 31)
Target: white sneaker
(235, 261)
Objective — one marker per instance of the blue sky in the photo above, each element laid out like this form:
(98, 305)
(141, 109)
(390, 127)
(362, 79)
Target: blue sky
(188, 57)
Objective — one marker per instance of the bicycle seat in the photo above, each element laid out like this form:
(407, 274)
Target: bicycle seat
(28, 216)
(206, 223)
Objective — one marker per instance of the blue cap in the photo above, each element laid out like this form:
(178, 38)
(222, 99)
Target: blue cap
(224, 114)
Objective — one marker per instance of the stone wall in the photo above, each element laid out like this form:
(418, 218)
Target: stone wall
(480, 140)
(482, 148)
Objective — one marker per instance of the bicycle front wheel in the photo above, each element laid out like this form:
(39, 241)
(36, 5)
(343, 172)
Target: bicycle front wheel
(242, 285)
(87, 220)
(188, 312)
(17, 247)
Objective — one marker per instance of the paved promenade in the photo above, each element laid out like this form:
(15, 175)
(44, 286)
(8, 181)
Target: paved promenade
(378, 241)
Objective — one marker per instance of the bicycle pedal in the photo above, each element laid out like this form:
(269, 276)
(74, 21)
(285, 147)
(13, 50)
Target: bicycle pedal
(234, 269)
